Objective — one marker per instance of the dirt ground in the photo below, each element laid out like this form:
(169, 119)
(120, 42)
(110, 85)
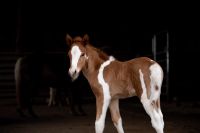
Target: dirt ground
(184, 119)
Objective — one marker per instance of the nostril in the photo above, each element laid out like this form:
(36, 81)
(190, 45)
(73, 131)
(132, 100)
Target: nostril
(72, 72)
(75, 72)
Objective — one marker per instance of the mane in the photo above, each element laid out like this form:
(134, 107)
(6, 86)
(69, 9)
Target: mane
(102, 55)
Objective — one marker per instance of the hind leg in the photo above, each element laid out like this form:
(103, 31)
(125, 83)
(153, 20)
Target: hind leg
(20, 112)
(21, 104)
(32, 113)
(52, 95)
(25, 106)
(29, 107)
(72, 103)
(152, 108)
(160, 112)
(79, 103)
(115, 114)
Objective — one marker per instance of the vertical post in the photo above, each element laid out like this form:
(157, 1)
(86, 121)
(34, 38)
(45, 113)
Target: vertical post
(154, 47)
(18, 28)
(167, 76)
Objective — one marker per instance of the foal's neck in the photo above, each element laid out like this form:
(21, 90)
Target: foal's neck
(95, 58)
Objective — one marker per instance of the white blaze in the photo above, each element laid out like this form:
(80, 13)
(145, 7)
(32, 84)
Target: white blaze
(75, 53)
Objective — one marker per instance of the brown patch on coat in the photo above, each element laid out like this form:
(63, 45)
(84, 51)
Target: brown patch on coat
(124, 79)
(156, 104)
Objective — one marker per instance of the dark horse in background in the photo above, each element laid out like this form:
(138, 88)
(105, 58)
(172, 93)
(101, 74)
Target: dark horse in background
(36, 72)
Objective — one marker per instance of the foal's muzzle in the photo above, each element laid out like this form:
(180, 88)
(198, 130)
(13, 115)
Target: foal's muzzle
(73, 74)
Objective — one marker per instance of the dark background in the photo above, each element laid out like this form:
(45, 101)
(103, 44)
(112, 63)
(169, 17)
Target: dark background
(122, 29)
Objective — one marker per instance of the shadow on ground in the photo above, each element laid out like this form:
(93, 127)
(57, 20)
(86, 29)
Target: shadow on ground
(183, 119)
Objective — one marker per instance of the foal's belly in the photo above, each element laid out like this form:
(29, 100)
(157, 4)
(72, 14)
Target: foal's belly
(123, 92)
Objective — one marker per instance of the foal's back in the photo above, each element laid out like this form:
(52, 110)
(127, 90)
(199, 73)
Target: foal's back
(124, 77)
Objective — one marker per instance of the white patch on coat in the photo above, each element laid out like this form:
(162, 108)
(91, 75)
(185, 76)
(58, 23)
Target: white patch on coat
(75, 53)
(156, 81)
(100, 123)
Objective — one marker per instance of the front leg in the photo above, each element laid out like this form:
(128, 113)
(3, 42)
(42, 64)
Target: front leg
(102, 103)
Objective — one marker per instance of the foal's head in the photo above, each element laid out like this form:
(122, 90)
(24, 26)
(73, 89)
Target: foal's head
(77, 54)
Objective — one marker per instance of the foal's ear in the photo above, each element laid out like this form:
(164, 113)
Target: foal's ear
(86, 39)
(68, 40)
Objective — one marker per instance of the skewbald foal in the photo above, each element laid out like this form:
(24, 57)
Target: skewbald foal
(111, 80)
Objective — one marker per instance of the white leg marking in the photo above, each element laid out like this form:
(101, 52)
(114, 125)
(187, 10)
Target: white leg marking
(119, 126)
(115, 113)
(156, 120)
(100, 123)
(52, 93)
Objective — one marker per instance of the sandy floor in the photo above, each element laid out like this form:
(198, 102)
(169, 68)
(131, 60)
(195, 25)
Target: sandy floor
(184, 119)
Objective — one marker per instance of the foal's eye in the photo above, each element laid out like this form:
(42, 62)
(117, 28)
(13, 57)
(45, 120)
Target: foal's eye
(82, 54)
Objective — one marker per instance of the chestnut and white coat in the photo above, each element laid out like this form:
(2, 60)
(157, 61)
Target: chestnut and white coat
(111, 80)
